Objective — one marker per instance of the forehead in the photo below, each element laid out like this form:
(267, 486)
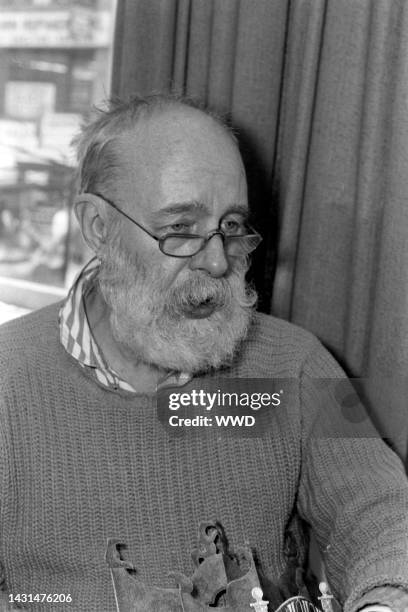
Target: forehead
(180, 158)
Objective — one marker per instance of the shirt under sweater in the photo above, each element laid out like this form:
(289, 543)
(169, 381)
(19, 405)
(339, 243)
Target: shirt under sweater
(80, 464)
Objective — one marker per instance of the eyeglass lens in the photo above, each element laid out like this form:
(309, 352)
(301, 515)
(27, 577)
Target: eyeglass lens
(234, 246)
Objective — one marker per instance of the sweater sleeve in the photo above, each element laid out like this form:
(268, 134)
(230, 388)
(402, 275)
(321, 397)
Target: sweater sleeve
(5, 606)
(353, 489)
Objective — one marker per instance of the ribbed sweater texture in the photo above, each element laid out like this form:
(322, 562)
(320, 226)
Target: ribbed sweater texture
(80, 464)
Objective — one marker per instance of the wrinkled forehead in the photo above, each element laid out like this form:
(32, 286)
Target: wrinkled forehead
(180, 155)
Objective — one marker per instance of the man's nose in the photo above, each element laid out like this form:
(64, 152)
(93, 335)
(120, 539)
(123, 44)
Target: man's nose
(212, 258)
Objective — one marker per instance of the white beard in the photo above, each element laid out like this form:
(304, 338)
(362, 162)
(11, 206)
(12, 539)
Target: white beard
(151, 322)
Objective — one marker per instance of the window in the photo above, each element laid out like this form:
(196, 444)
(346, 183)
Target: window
(54, 65)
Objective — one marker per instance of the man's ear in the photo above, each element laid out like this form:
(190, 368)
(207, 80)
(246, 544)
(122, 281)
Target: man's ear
(91, 214)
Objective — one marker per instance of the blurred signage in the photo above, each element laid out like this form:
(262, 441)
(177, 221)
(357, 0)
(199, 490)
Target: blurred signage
(36, 177)
(29, 99)
(78, 27)
(18, 134)
(52, 134)
(17, 140)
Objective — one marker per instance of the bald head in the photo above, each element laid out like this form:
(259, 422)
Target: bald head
(166, 151)
(99, 142)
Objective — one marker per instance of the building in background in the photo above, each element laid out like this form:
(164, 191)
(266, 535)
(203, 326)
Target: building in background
(54, 65)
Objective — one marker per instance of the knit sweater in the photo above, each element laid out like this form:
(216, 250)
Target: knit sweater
(80, 464)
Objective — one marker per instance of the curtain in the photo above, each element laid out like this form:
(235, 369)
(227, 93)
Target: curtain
(343, 165)
(318, 90)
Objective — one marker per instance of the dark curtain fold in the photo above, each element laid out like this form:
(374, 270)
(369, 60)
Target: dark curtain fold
(318, 90)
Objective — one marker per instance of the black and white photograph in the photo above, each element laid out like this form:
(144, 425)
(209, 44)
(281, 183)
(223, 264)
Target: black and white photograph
(204, 305)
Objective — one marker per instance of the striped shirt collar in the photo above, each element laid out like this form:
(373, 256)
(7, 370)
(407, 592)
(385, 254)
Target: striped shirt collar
(77, 338)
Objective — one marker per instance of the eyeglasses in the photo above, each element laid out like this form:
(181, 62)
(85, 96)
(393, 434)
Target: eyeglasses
(187, 245)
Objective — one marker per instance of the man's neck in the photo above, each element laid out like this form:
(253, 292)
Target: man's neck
(143, 377)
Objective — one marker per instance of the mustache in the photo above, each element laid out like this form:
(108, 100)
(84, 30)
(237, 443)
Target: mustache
(219, 292)
(199, 290)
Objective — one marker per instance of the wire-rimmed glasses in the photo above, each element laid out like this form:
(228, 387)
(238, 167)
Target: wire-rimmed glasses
(188, 245)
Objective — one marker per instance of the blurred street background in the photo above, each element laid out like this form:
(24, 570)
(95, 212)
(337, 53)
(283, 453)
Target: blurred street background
(55, 58)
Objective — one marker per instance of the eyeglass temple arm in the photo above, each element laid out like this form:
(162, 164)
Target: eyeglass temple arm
(122, 212)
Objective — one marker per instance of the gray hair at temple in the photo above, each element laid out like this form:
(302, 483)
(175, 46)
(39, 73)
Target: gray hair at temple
(97, 163)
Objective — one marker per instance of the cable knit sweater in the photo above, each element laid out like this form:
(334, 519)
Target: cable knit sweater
(80, 464)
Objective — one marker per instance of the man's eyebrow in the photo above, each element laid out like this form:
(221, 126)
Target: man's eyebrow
(195, 206)
(240, 209)
(179, 207)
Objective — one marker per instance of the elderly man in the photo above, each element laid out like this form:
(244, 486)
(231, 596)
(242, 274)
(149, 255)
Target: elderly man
(84, 456)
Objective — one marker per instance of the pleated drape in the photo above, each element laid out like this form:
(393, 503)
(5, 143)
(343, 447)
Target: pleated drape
(318, 90)
(343, 165)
